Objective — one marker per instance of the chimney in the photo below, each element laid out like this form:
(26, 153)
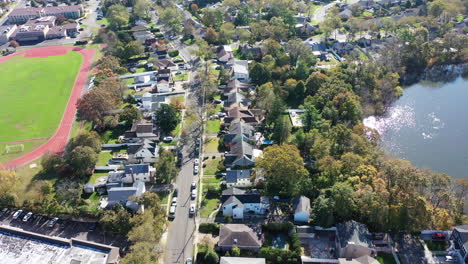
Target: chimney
(133, 176)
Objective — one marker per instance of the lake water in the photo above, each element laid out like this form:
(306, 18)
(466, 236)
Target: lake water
(428, 126)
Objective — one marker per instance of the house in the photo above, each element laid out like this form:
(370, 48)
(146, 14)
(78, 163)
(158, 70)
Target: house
(345, 14)
(71, 28)
(238, 235)
(239, 131)
(360, 260)
(132, 173)
(305, 28)
(355, 240)
(238, 178)
(125, 195)
(6, 32)
(225, 53)
(21, 15)
(249, 116)
(240, 70)
(163, 86)
(251, 51)
(151, 102)
(342, 48)
(241, 155)
(235, 97)
(144, 152)
(301, 207)
(161, 54)
(141, 129)
(236, 85)
(142, 36)
(239, 260)
(237, 203)
(165, 64)
(460, 239)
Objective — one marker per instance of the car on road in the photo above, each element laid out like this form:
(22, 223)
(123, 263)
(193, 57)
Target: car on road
(192, 210)
(27, 216)
(438, 236)
(194, 185)
(168, 139)
(52, 222)
(174, 201)
(17, 214)
(196, 162)
(195, 170)
(194, 194)
(189, 261)
(172, 211)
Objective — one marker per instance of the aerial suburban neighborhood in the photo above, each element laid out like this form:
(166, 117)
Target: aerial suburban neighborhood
(233, 131)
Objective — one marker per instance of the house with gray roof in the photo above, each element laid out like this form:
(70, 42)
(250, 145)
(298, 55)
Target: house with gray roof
(238, 178)
(132, 173)
(240, 260)
(240, 156)
(301, 207)
(238, 203)
(460, 239)
(141, 129)
(355, 240)
(238, 235)
(143, 152)
(123, 195)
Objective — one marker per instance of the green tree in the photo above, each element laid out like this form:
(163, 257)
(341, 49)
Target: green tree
(81, 160)
(213, 17)
(86, 138)
(112, 63)
(133, 48)
(166, 118)
(116, 221)
(130, 114)
(211, 257)
(166, 169)
(142, 8)
(259, 74)
(172, 18)
(283, 168)
(235, 252)
(265, 97)
(312, 118)
(118, 16)
(282, 129)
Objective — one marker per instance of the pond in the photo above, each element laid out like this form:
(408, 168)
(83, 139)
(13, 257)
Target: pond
(428, 126)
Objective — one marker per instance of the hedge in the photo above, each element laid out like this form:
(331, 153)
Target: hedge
(209, 228)
(173, 53)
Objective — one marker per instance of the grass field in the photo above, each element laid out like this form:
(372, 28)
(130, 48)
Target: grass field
(33, 95)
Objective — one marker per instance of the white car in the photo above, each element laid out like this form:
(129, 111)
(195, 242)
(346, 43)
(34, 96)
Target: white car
(174, 201)
(194, 184)
(192, 210)
(196, 162)
(195, 170)
(17, 214)
(168, 139)
(27, 216)
(188, 261)
(172, 211)
(52, 222)
(194, 194)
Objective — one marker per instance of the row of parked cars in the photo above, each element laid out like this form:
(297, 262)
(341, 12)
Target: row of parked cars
(26, 217)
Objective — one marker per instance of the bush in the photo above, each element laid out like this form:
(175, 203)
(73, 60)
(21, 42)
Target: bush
(209, 228)
(173, 53)
(279, 256)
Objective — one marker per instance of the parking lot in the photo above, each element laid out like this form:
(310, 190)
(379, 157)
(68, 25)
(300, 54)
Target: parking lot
(63, 228)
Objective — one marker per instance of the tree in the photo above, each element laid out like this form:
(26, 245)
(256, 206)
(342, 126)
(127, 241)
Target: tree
(94, 105)
(265, 97)
(52, 163)
(210, 257)
(118, 16)
(172, 18)
(116, 220)
(211, 36)
(213, 17)
(297, 50)
(142, 8)
(314, 82)
(112, 63)
(133, 48)
(81, 160)
(166, 118)
(8, 179)
(14, 44)
(232, 4)
(283, 168)
(259, 74)
(332, 21)
(243, 16)
(226, 32)
(203, 50)
(130, 114)
(235, 252)
(86, 138)
(166, 169)
(282, 129)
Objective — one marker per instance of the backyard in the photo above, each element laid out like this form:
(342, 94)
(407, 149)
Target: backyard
(35, 91)
(211, 166)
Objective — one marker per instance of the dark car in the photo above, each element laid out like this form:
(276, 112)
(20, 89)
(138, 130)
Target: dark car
(92, 227)
(438, 236)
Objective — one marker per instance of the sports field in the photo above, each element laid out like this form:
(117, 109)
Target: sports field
(33, 96)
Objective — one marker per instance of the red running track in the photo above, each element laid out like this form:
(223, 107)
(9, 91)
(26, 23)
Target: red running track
(58, 141)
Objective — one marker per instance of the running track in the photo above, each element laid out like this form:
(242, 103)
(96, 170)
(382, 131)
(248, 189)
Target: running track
(58, 141)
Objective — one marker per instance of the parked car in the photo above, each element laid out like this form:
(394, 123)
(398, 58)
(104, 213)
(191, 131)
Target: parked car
(221, 114)
(189, 261)
(168, 139)
(27, 216)
(220, 174)
(192, 210)
(174, 201)
(222, 86)
(449, 259)
(194, 194)
(52, 222)
(217, 101)
(172, 211)
(438, 236)
(178, 73)
(92, 227)
(196, 162)
(17, 214)
(194, 185)
(195, 170)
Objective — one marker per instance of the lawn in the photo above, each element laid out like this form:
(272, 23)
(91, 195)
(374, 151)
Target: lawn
(103, 158)
(180, 77)
(211, 144)
(210, 202)
(211, 166)
(211, 179)
(94, 179)
(34, 93)
(213, 126)
(385, 258)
